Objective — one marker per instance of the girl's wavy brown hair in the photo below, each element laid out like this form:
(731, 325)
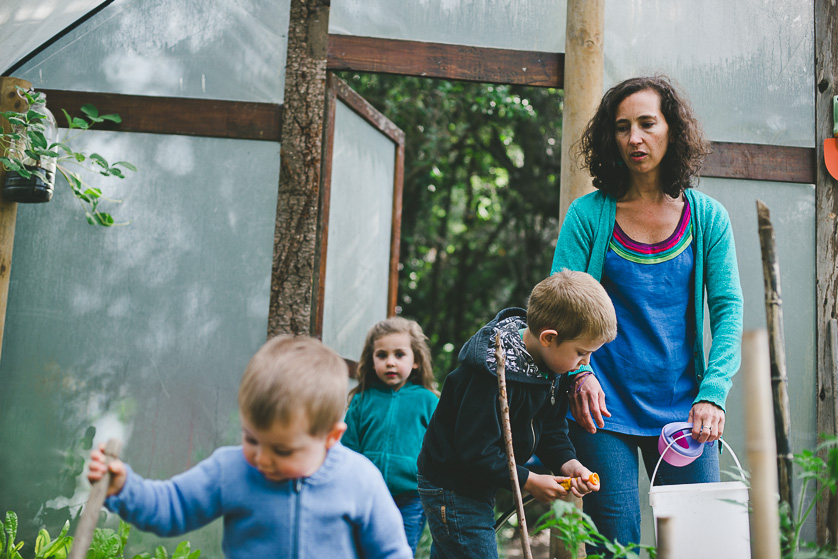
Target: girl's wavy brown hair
(687, 149)
(423, 375)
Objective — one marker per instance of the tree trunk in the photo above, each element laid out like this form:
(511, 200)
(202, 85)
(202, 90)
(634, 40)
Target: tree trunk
(295, 235)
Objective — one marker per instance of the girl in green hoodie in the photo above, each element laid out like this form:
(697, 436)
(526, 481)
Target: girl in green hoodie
(390, 409)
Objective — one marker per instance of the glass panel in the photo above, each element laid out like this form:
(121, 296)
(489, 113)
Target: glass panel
(747, 67)
(536, 25)
(142, 331)
(214, 49)
(360, 225)
(27, 24)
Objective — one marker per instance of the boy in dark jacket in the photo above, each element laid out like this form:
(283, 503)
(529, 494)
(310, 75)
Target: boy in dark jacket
(463, 458)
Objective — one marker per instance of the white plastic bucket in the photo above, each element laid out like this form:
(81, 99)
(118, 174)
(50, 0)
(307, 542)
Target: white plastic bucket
(709, 520)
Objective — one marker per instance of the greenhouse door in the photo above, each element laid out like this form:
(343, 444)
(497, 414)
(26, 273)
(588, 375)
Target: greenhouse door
(360, 219)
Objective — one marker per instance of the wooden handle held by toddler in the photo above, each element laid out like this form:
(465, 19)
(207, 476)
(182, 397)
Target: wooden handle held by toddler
(90, 515)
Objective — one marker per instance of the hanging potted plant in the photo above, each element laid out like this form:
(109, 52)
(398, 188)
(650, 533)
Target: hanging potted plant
(34, 154)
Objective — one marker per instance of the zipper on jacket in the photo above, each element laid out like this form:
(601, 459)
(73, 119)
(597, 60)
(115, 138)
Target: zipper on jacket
(298, 487)
(553, 392)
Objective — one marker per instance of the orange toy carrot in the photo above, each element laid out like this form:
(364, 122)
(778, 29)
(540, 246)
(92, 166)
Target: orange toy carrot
(593, 478)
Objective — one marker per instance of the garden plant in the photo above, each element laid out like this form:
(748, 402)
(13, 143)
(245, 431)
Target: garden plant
(27, 143)
(106, 544)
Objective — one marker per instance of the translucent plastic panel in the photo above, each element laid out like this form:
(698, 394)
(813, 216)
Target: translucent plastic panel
(142, 331)
(27, 24)
(360, 225)
(792, 215)
(537, 25)
(747, 66)
(792, 209)
(215, 49)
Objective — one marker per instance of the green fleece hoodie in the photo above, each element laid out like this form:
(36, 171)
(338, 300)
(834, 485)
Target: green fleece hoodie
(583, 243)
(387, 427)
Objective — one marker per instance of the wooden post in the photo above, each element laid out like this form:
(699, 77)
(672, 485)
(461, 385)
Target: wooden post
(777, 347)
(295, 235)
(761, 446)
(584, 38)
(666, 538)
(10, 100)
(826, 240)
(582, 91)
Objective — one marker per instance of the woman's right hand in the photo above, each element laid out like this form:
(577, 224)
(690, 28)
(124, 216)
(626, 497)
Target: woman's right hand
(97, 467)
(587, 403)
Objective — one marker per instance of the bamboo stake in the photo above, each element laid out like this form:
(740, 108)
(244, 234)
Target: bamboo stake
(510, 453)
(761, 446)
(779, 376)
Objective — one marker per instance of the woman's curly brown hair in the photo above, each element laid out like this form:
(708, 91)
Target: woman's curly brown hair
(687, 144)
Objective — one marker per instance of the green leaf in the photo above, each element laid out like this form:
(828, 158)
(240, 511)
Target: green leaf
(181, 551)
(80, 123)
(93, 192)
(160, 553)
(41, 541)
(126, 165)
(99, 160)
(90, 110)
(103, 219)
(124, 527)
(69, 119)
(113, 118)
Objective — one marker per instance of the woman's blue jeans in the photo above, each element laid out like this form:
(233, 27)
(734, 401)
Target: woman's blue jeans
(413, 516)
(462, 528)
(615, 508)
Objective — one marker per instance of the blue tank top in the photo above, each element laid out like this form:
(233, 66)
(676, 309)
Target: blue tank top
(647, 371)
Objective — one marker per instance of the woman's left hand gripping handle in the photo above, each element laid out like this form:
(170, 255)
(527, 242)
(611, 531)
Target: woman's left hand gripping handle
(105, 472)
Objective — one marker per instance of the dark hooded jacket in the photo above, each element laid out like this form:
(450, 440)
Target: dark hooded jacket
(463, 449)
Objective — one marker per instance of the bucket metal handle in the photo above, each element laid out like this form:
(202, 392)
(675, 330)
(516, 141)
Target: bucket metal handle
(678, 438)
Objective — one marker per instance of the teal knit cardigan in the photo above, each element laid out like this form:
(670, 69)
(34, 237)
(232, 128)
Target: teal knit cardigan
(583, 243)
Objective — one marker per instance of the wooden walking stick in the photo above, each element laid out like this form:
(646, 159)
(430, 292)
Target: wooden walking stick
(510, 454)
(90, 515)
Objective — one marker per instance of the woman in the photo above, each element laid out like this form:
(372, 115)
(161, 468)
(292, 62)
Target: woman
(657, 246)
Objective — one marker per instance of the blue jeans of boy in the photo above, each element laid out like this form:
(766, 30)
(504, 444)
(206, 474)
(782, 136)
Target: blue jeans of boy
(462, 528)
(413, 516)
(615, 508)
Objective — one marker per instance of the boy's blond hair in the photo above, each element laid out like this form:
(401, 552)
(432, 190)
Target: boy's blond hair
(573, 304)
(290, 376)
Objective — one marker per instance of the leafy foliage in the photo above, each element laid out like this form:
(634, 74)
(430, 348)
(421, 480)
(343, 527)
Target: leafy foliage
(106, 544)
(480, 202)
(823, 474)
(575, 528)
(27, 140)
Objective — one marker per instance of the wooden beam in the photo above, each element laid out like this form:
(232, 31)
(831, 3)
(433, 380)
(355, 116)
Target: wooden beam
(295, 235)
(761, 162)
(826, 247)
(212, 118)
(453, 62)
(10, 100)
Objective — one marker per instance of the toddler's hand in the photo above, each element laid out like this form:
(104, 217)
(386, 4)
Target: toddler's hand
(97, 467)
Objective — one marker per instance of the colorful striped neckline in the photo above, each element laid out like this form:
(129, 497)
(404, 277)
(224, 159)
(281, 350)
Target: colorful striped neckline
(642, 253)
